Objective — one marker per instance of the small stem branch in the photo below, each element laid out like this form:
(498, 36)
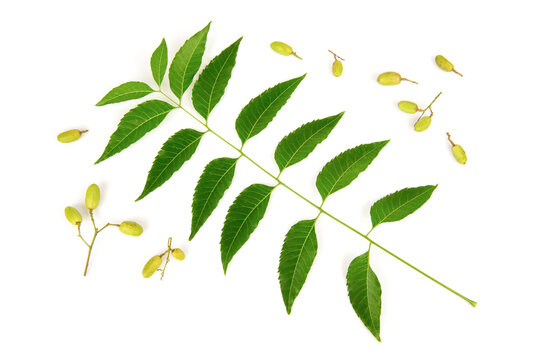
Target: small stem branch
(89, 253)
(322, 211)
(336, 56)
(80, 235)
(412, 81)
(449, 138)
(455, 71)
(168, 97)
(104, 227)
(169, 245)
(429, 107)
(296, 55)
(91, 246)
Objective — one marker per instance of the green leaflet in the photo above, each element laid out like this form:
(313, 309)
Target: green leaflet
(365, 293)
(127, 91)
(211, 84)
(135, 124)
(214, 181)
(175, 152)
(159, 62)
(340, 171)
(259, 112)
(186, 62)
(297, 145)
(242, 219)
(297, 256)
(400, 204)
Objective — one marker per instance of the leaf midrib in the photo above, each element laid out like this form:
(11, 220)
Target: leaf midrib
(347, 169)
(189, 63)
(134, 129)
(159, 66)
(243, 223)
(199, 136)
(367, 288)
(297, 262)
(400, 206)
(266, 109)
(129, 93)
(215, 83)
(212, 191)
(303, 144)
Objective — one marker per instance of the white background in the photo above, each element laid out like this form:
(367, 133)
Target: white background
(478, 232)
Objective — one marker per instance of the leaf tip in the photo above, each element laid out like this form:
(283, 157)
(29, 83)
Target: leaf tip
(99, 160)
(225, 267)
(141, 196)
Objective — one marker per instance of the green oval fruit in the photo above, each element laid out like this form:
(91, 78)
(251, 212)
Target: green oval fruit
(459, 154)
(72, 215)
(281, 48)
(443, 63)
(408, 106)
(130, 228)
(337, 68)
(151, 266)
(422, 124)
(69, 136)
(178, 254)
(389, 78)
(92, 197)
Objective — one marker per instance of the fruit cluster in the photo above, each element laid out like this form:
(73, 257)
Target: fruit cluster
(155, 261)
(93, 195)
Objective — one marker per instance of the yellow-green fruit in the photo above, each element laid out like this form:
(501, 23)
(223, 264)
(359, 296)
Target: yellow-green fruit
(130, 228)
(408, 106)
(389, 78)
(443, 63)
(69, 136)
(178, 254)
(72, 215)
(337, 68)
(459, 154)
(281, 48)
(151, 266)
(92, 197)
(422, 124)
